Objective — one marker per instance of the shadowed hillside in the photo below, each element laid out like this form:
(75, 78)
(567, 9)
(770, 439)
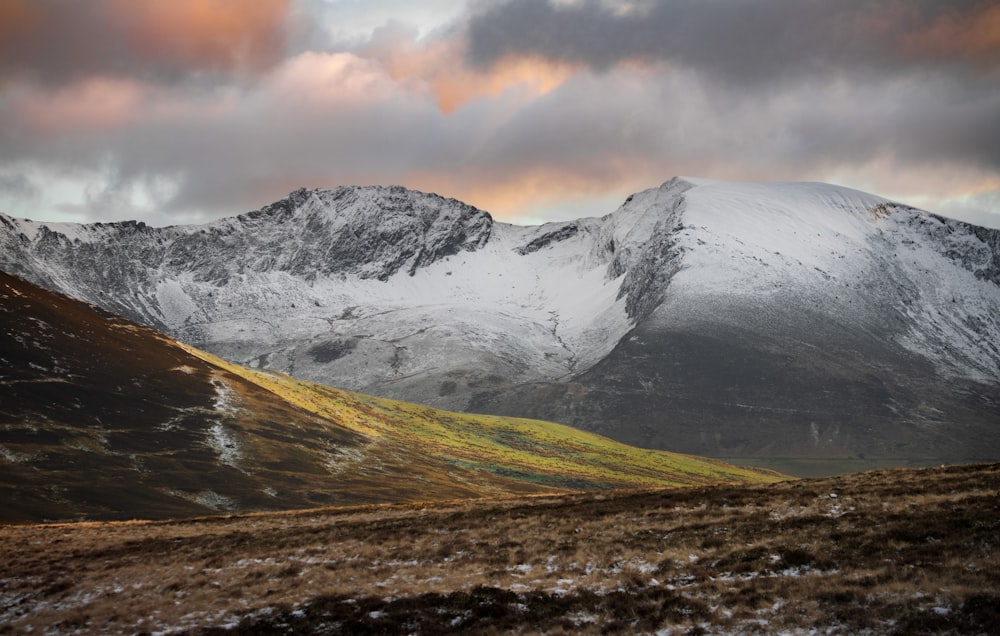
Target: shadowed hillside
(104, 419)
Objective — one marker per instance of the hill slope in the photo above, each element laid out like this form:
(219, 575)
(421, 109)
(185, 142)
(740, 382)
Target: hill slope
(101, 418)
(727, 319)
(894, 552)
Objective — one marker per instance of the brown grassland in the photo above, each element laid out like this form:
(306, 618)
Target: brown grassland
(896, 551)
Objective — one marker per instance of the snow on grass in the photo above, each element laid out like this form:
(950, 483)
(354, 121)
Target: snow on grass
(226, 401)
(388, 566)
(209, 499)
(13, 457)
(226, 445)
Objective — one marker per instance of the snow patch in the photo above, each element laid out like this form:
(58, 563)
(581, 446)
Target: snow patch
(226, 445)
(13, 457)
(209, 499)
(175, 305)
(226, 401)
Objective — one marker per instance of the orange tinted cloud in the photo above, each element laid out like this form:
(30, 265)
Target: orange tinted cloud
(511, 194)
(20, 24)
(326, 80)
(203, 34)
(440, 65)
(454, 87)
(93, 105)
(18, 16)
(888, 176)
(973, 36)
(57, 40)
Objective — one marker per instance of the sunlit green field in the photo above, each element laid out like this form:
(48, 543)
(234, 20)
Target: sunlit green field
(532, 451)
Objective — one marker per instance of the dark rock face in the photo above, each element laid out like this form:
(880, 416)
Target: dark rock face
(326, 352)
(952, 239)
(648, 280)
(111, 266)
(370, 232)
(990, 238)
(567, 231)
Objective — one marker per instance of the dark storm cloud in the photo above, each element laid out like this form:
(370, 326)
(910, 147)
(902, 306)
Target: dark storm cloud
(58, 41)
(954, 123)
(858, 78)
(935, 119)
(602, 124)
(745, 41)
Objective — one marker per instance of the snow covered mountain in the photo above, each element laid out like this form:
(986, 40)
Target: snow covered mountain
(728, 319)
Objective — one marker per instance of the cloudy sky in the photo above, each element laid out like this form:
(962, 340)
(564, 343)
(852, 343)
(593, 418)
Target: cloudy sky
(179, 111)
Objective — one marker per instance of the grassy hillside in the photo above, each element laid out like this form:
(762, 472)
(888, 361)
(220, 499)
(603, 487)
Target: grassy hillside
(891, 552)
(534, 451)
(103, 419)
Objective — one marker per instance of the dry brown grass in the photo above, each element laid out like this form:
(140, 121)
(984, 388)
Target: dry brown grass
(893, 552)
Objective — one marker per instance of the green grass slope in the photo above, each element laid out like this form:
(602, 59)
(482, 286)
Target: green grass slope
(533, 451)
(103, 419)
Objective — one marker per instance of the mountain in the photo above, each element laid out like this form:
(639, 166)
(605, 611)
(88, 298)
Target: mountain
(764, 322)
(794, 321)
(103, 418)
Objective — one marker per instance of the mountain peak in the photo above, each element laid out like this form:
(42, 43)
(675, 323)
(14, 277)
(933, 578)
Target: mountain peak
(368, 231)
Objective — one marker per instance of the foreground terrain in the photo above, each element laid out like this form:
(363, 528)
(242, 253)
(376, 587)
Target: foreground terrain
(902, 551)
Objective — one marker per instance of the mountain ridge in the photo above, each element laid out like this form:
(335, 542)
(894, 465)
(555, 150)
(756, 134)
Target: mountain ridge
(809, 285)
